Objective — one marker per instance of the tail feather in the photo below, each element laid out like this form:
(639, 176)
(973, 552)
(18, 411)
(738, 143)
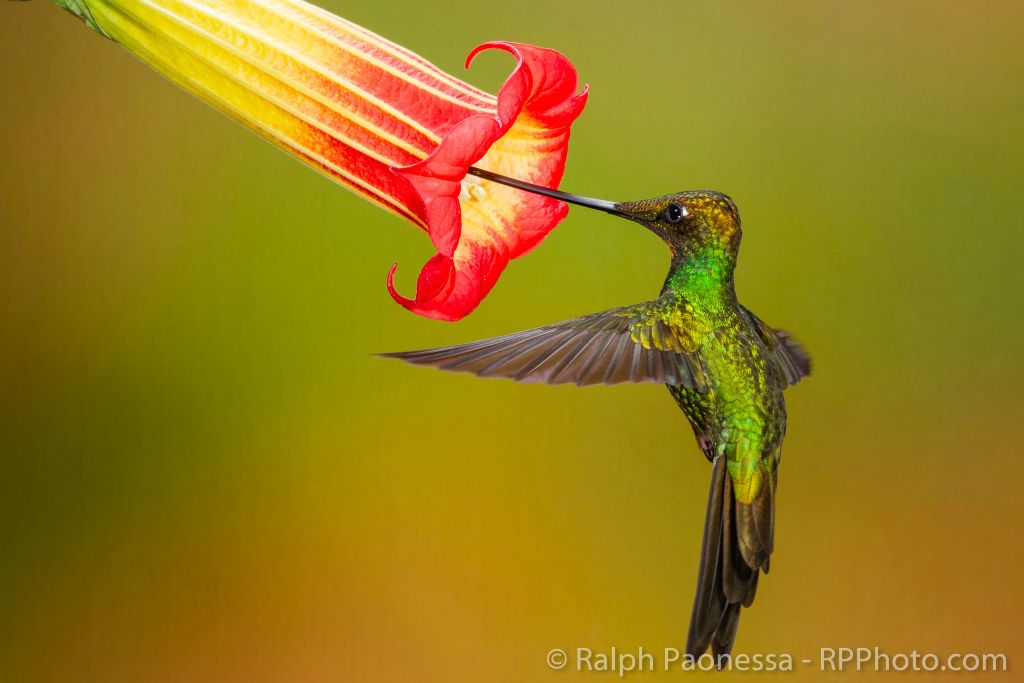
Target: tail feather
(763, 511)
(725, 636)
(709, 604)
(738, 579)
(736, 548)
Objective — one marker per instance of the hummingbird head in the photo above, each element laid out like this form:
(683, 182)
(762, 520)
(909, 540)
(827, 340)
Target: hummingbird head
(688, 221)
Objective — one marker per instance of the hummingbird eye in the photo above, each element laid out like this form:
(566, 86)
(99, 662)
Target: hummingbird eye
(675, 213)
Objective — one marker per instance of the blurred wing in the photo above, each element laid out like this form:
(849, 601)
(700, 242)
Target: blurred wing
(793, 362)
(630, 344)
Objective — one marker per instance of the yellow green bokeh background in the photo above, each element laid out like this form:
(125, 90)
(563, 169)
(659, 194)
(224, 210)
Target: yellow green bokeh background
(205, 475)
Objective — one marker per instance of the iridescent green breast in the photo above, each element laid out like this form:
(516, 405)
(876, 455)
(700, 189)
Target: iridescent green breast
(740, 412)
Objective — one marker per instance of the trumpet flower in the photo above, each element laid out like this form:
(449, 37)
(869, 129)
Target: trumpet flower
(378, 119)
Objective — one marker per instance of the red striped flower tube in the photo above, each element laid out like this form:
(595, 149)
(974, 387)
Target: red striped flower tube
(377, 119)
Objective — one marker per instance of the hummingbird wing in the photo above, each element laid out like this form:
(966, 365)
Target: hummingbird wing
(630, 344)
(792, 361)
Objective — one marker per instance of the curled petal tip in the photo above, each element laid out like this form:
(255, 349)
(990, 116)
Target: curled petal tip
(511, 48)
(394, 292)
(441, 291)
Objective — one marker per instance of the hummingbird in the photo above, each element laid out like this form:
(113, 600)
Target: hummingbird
(723, 365)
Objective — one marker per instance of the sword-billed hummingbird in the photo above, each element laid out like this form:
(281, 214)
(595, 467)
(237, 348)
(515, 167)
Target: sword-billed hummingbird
(725, 368)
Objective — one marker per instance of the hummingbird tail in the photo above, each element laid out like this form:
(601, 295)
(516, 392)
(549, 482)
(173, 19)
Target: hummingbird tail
(736, 547)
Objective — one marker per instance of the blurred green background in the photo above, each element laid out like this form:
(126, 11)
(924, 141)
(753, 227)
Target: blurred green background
(206, 477)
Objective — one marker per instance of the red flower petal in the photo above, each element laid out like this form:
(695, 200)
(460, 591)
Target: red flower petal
(536, 107)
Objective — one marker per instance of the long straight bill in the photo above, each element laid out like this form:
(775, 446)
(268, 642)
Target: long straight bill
(589, 202)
